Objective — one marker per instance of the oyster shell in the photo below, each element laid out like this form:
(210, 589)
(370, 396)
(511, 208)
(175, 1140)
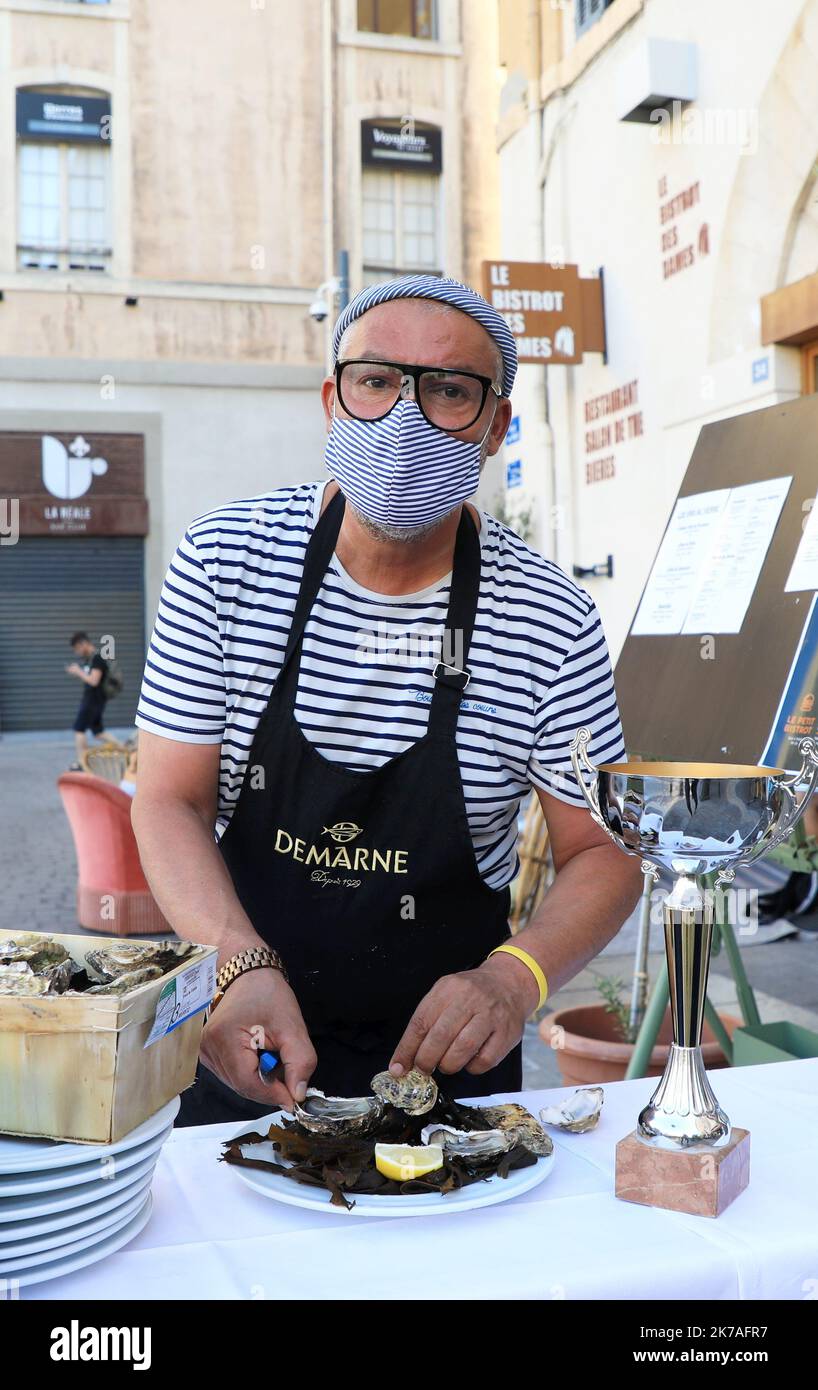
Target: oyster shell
(331, 1115)
(579, 1113)
(125, 956)
(59, 977)
(23, 982)
(414, 1092)
(477, 1144)
(36, 951)
(521, 1125)
(13, 970)
(131, 979)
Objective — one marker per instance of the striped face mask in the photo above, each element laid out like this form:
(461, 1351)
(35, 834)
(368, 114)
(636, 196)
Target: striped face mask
(401, 471)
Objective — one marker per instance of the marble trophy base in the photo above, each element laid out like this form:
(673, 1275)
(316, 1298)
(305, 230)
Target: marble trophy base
(702, 1181)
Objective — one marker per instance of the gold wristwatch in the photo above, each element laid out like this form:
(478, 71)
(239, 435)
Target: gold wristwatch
(254, 958)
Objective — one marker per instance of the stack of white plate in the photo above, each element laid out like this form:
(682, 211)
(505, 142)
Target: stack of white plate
(63, 1206)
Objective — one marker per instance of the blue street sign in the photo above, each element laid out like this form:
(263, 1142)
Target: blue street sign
(513, 431)
(514, 473)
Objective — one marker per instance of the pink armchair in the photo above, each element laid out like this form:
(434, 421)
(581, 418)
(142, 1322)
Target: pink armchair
(113, 896)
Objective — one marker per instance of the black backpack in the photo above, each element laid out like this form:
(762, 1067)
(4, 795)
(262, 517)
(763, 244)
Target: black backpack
(113, 682)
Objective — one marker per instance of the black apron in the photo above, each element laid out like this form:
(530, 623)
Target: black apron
(365, 882)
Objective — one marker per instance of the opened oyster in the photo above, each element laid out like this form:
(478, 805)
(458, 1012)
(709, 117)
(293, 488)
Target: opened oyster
(38, 953)
(414, 1092)
(13, 970)
(18, 979)
(521, 1126)
(18, 976)
(579, 1113)
(476, 1145)
(125, 956)
(331, 1115)
(130, 980)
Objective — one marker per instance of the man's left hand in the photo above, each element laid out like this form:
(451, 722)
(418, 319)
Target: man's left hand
(470, 1020)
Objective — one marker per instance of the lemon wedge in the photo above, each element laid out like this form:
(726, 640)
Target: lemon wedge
(402, 1162)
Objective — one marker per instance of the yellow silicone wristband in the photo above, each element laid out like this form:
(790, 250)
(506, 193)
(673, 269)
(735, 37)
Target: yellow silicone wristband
(534, 967)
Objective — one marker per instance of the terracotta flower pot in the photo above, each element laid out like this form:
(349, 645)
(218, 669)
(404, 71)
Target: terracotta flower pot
(589, 1049)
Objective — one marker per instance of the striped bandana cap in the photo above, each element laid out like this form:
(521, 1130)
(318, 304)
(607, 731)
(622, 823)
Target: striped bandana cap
(447, 291)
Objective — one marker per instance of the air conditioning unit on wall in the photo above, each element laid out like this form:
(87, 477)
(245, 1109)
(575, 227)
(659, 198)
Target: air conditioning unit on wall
(656, 74)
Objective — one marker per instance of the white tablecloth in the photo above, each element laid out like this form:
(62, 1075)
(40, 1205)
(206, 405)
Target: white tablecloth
(211, 1237)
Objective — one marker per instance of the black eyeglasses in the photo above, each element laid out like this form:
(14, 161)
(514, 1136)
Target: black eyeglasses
(449, 400)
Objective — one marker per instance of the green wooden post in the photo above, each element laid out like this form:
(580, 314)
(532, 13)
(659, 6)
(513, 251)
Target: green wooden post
(651, 1024)
(744, 990)
(719, 1031)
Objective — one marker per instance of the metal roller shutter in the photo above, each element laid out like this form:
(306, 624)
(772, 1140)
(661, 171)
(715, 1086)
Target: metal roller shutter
(51, 586)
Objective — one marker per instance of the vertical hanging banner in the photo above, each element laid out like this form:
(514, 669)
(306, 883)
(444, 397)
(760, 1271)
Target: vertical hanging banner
(797, 714)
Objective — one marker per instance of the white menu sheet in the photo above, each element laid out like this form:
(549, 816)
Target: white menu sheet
(677, 567)
(804, 572)
(740, 545)
(709, 561)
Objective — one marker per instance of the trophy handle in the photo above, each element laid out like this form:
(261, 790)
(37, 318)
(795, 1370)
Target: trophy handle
(581, 763)
(790, 818)
(809, 756)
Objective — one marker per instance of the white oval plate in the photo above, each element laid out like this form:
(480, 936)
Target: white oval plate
(58, 1226)
(48, 1247)
(19, 1155)
(101, 1169)
(68, 1263)
(21, 1209)
(479, 1194)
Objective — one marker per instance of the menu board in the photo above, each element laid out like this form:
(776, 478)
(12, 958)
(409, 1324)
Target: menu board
(708, 671)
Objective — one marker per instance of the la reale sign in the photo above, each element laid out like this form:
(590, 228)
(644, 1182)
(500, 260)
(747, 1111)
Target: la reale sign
(69, 483)
(554, 313)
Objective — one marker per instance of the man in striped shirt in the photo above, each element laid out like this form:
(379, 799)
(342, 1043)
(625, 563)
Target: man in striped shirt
(354, 683)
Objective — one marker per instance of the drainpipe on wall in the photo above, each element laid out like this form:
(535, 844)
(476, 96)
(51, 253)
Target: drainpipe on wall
(328, 172)
(537, 115)
(561, 521)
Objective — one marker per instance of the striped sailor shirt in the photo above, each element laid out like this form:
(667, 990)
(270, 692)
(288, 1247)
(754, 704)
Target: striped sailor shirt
(538, 660)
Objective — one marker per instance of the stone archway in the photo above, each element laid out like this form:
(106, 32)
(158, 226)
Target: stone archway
(770, 193)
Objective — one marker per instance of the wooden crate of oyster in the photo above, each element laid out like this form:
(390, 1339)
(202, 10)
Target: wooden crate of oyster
(75, 1066)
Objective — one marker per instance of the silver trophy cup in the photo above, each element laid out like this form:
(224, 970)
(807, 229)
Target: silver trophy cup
(692, 819)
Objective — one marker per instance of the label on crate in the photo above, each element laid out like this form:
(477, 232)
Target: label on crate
(182, 997)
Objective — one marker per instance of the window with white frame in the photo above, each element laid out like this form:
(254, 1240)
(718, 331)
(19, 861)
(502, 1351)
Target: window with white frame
(401, 224)
(411, 18)
(587, 12)
(64, 206)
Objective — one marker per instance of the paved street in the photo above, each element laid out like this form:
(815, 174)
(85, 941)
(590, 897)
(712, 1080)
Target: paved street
(38, 871)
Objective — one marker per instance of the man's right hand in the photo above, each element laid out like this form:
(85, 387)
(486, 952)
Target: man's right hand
(259, 1010)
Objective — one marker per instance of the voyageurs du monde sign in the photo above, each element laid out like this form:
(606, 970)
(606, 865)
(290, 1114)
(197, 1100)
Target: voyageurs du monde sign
(555, 314)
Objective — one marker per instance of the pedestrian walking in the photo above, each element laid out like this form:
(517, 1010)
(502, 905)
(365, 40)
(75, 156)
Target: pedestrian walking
(92, 670)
